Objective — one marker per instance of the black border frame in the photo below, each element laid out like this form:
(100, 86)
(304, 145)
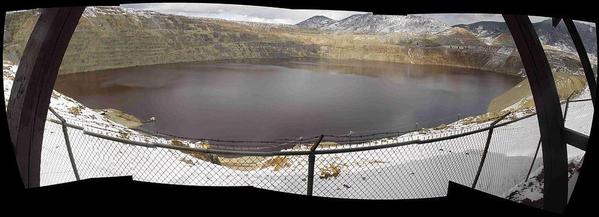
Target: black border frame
(460, 200)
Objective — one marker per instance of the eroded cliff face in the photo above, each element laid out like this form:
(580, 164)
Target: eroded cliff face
(113, 37)
(17, 28)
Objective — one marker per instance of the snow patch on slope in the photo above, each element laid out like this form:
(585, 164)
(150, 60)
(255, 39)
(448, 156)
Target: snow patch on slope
(316, 22)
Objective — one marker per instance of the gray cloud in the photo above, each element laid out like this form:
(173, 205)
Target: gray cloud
(289, 16)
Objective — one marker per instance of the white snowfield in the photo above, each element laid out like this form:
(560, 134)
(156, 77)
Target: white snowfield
(379, 24)
(411, 171)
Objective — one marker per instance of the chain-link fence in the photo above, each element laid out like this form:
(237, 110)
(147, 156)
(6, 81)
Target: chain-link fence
(579, 123)
(392, 165)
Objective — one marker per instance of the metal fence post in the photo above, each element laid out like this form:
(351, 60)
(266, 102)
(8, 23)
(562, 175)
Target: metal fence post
(311, 159)
(482, 160)
(548, 109)
(539, 144)
(67, 142)
(567, 105)
(533, 161)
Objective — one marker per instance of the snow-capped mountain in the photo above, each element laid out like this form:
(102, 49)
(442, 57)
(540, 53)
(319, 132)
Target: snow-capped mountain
(559, 37)
(458, 36)
(316, 22)
(369, 23)
(99, 10)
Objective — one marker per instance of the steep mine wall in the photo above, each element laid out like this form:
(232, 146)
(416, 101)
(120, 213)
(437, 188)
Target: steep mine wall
(114, 40)
(485, 59)
(112, 37)
(17, 29)
(520, 96)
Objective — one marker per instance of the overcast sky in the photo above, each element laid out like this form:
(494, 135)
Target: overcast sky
(240, 12)
(287, 16)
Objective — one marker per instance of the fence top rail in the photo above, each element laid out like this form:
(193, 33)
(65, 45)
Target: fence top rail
(277, 141)
(65, 123)
(302, 152)
(579, 100)
(301, 140)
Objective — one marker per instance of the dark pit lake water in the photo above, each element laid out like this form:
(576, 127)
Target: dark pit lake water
(287, 98)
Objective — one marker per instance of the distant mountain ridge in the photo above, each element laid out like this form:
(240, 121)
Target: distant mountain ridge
(559, 37)
(489, 32)
(369, 23)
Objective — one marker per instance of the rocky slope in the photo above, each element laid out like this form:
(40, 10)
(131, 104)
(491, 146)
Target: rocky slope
(113, 37)
(487, 31)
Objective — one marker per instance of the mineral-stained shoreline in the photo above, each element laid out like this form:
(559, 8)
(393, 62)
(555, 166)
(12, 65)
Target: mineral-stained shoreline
(520, 96)
(121, 117)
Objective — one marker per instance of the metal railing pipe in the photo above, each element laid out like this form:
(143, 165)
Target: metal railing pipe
(533, 161)
(486, 150)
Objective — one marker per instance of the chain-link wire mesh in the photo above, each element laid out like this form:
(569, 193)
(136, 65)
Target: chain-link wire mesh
(55, 167)
(582, 119)
(161, 165)
(409, 171)
(511, 151)
(386, 165)
(578, 117)
(101, 157)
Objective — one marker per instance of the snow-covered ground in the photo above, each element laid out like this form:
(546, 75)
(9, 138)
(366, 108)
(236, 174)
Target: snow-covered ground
(412, 171)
